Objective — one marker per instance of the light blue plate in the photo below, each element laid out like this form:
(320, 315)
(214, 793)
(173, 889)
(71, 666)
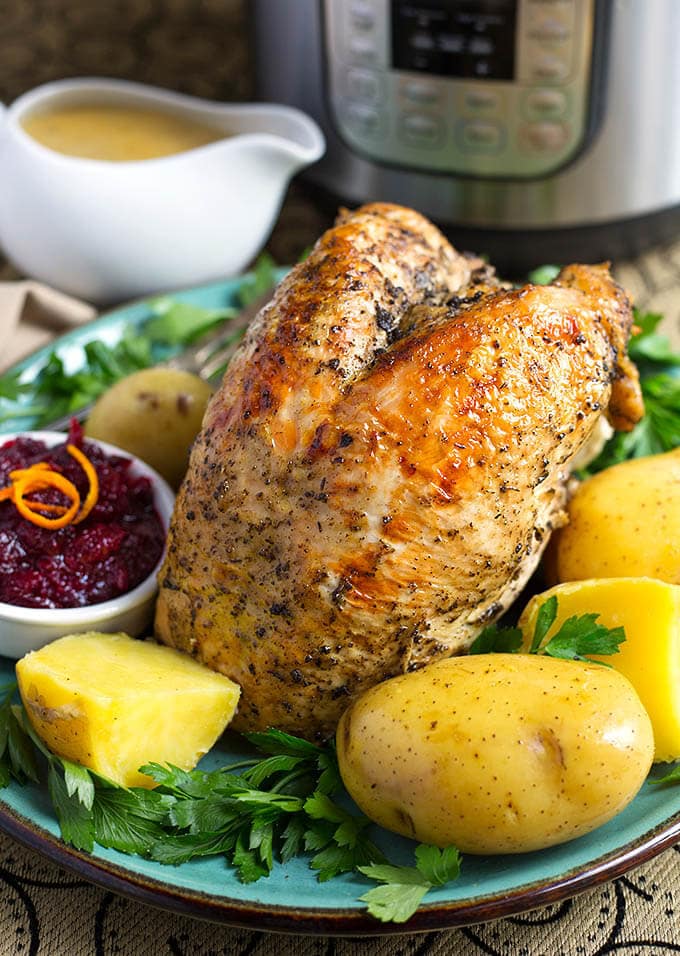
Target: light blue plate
(292, 899)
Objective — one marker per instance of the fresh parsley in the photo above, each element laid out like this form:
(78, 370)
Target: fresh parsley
(659, 367)
(577, 638)
(287, 802)
(17, 756)
(495, 639)
(403, 887)
(171, 325)
(543, 275)
(672, 777)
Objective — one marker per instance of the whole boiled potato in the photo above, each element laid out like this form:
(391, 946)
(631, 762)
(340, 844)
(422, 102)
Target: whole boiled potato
(623, 522)
(496, 753)
(649, 612)
(154, 414)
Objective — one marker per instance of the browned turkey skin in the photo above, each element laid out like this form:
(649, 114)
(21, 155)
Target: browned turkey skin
(381, 468)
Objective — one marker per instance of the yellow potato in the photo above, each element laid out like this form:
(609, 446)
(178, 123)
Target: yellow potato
(154, 414)
(113, 703)
(649, 612)
(496, 753)
(623, 522)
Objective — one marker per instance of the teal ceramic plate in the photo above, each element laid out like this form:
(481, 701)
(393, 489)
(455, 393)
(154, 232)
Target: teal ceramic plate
(291, 899)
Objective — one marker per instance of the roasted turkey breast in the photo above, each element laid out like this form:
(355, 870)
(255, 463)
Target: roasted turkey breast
(382, 466)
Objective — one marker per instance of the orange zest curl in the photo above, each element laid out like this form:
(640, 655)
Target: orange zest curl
(93, 490)
(39, 477)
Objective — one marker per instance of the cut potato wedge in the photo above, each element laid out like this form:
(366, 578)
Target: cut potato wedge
(649, 612)
(113, 704)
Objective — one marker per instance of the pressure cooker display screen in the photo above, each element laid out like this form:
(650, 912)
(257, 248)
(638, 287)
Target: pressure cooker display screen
(472, 38)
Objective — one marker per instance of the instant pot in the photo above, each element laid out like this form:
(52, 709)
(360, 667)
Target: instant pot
(532, 130)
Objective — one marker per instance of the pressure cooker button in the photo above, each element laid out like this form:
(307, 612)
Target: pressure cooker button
(362, 14)
(550, 29)
(420, 93)
(480, 135)
(481, 101)
(363, 85)
(550, 68)
(362, 49)
(544, 137)
(362, 119)
(545, 104)
(420, 130)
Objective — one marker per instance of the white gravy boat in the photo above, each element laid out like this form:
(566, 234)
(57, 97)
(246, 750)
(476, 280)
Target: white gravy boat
(108, 231)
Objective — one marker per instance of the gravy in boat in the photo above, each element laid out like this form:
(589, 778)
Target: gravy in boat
(117, 133)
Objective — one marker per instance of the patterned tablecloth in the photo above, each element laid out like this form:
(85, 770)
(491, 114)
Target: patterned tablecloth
(201, 48)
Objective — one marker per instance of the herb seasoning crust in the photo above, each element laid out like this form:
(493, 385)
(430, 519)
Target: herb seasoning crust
(381, 468)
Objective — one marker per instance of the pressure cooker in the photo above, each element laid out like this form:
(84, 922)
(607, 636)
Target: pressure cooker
(533, 130)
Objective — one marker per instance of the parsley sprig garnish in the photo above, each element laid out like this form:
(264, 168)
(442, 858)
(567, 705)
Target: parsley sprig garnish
(672, 777)
(171, 325)
(659, 367)
(17, 756)
(285, 803)
(403, 887)
(577, 638)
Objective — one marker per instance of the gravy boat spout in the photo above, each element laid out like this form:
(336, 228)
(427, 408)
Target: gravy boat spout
(288, 138)
(107, 230)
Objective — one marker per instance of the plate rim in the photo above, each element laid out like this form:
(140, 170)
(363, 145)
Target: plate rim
(321, 921)
(337, 921)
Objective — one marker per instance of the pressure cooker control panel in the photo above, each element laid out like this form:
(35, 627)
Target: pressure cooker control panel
(492, 88)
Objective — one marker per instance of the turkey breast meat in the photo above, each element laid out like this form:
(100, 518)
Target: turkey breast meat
(382, 466)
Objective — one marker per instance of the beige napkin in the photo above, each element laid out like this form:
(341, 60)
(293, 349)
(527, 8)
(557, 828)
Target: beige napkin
(32, 314)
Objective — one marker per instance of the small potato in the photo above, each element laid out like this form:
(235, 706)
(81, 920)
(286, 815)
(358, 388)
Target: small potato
(649, 612)
(496, 753)
(623, 522)
(154, 414)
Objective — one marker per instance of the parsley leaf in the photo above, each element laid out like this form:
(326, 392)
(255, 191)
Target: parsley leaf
(543, 275)
(293, 838)
(179, 323)
(581, 636)
(577, 637)
(344, 847)
(17, 756)
(659, 367)
(497, 640)
(248, 862)
(439, 866)
(278, 742)
(262, 278)
(78, 782)
(11, 387)
(544, 621)
(647, 344)
(75, 819)
(405, 886)
(127, 820)
(672, 777)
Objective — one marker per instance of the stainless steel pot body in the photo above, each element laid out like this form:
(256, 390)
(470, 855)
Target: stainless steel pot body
(625, 168)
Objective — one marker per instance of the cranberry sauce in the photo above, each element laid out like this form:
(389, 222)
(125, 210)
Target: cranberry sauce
(110, 552)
